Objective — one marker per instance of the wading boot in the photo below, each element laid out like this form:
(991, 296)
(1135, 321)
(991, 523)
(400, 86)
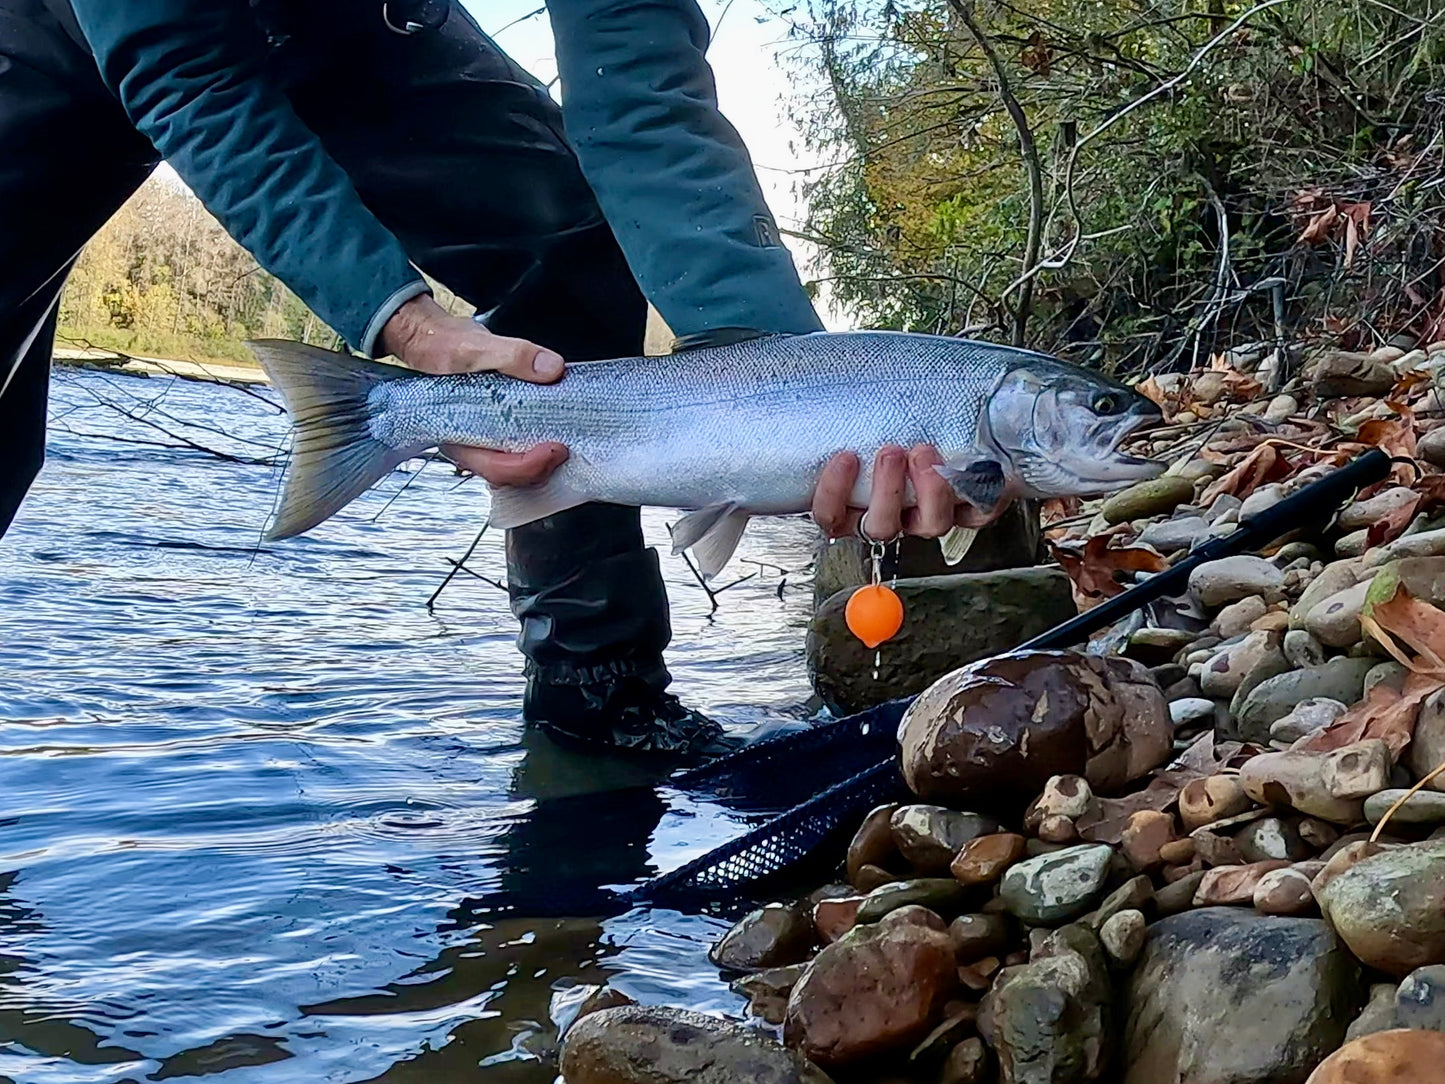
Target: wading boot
(594, 617)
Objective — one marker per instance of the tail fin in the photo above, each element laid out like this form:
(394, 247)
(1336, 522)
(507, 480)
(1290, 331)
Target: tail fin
(334, 457)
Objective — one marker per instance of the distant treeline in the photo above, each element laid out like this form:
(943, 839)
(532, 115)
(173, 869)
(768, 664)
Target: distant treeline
(163, 279)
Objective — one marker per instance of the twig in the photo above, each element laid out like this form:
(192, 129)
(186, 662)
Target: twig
(711, 592)
(1030, 153)
(458, 566)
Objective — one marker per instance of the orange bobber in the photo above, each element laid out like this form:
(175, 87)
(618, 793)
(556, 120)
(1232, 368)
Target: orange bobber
(874, 613)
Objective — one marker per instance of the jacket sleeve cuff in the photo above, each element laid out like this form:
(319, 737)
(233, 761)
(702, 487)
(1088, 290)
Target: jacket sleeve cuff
(388, 309)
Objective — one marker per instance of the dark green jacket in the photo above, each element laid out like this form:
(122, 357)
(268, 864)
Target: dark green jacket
(671, 175)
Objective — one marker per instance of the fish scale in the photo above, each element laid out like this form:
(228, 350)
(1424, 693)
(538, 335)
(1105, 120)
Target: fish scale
(728, 432)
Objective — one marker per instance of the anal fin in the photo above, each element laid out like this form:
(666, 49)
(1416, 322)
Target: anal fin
(712, 534)
(981, 484)
(513, 506)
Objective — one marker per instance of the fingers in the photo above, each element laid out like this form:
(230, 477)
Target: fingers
(884, 518)
(830, 497)
(934, 510)
(516, 357)
(429, 339)
(509, 468)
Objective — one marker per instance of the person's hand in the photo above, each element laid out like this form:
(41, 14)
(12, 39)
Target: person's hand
(937, 509)
(425, 337)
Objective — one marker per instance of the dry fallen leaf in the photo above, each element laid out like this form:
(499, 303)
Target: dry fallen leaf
(1394, 435)
(1319, 226)
(1398, 620)
(1261, 466)
(1392, 524)
(1092, 569)
(1386, 714)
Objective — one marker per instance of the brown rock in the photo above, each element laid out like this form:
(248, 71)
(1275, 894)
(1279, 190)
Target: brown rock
(1204, 801)
(774, 936)
(1386, 1057)
(767, 991)
(1284, 892)
(977, 936)
(967, 1063)
(833, 918)
(1058, 830)
(872, 844)
(675, 1047)
(1226, 885)
(1317, 833)
(1297, 779)
(1177, 896)
(1216, 850)
(960, 1021)
(1341, 373)
(983, 860)
(870, 878)
(978, 976)
(878, 988)
(1178, 852)
(1001, 728)
(1144, 835)
(929, 836)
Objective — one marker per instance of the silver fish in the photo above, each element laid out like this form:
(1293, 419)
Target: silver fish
(725, 432)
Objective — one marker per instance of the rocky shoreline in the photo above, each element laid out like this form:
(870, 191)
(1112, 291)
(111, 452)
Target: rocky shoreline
(1210, 851)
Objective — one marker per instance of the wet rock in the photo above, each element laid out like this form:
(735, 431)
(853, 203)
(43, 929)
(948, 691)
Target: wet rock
(1387, 1057)
(1427, 749)
(1213, 798)
(1056, 887)
(1154, 497)
(960, 1020)
(833, 918)
(999, 729)
(1224, 996)
(573, 1003)
(978, 976)
(1057, 830)
(1226, 671)
(1271, 838)
(1378, 1013)
(967, 1063)
(1050, 1021)
(871, 877)
(977, 936)
(1341, 679)
(942, 895)
(1422, 807)
(1305, 718)
(1335, 622)
(1420, 1000)
(872, 844)
(1134, 894)
(648, 1045)
(951, 619)
(1172, 535)
(1065, 796)
(1343, 373)
(1390, 907)
(774, 936)
(1123, 937)
(1230, 579)
(1178, 852)
(984, 860)
(1284, 892)
(1302, 650)
(929, 836)
(1233, 885)
(1236, 618)
(878, 988)
(767, 991)
(1145, 834)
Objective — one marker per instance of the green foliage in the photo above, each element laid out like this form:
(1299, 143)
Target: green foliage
(924, 213)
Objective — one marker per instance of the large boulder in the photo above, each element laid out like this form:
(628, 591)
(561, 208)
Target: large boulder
(947, 621)
(1224, 996)
(1050, 1021)
(646, 1045)
(1000, 729)
(876, 989)
(1386, 1057)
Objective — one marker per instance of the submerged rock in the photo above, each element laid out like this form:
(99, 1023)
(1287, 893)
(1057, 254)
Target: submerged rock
(647, 1045)
(1225, 996)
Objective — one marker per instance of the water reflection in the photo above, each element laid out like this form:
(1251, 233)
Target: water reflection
(266, 818)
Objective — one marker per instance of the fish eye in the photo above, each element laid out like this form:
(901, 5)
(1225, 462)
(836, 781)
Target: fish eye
(1108, 403)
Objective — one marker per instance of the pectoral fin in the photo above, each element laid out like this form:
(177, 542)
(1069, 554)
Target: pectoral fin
(956, 544)
(981, 484)
(712, 534)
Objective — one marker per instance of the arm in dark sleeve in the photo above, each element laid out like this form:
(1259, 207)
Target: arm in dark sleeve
(190, 74)
(671, 174)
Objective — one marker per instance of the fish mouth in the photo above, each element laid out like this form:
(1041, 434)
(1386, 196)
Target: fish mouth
(1123, 468)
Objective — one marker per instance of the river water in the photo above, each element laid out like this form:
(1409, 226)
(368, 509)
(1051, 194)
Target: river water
(266, 817)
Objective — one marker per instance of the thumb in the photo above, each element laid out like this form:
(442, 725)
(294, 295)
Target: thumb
(521, 359)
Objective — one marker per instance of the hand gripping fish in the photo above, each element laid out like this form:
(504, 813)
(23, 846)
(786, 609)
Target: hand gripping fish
(725, 432)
